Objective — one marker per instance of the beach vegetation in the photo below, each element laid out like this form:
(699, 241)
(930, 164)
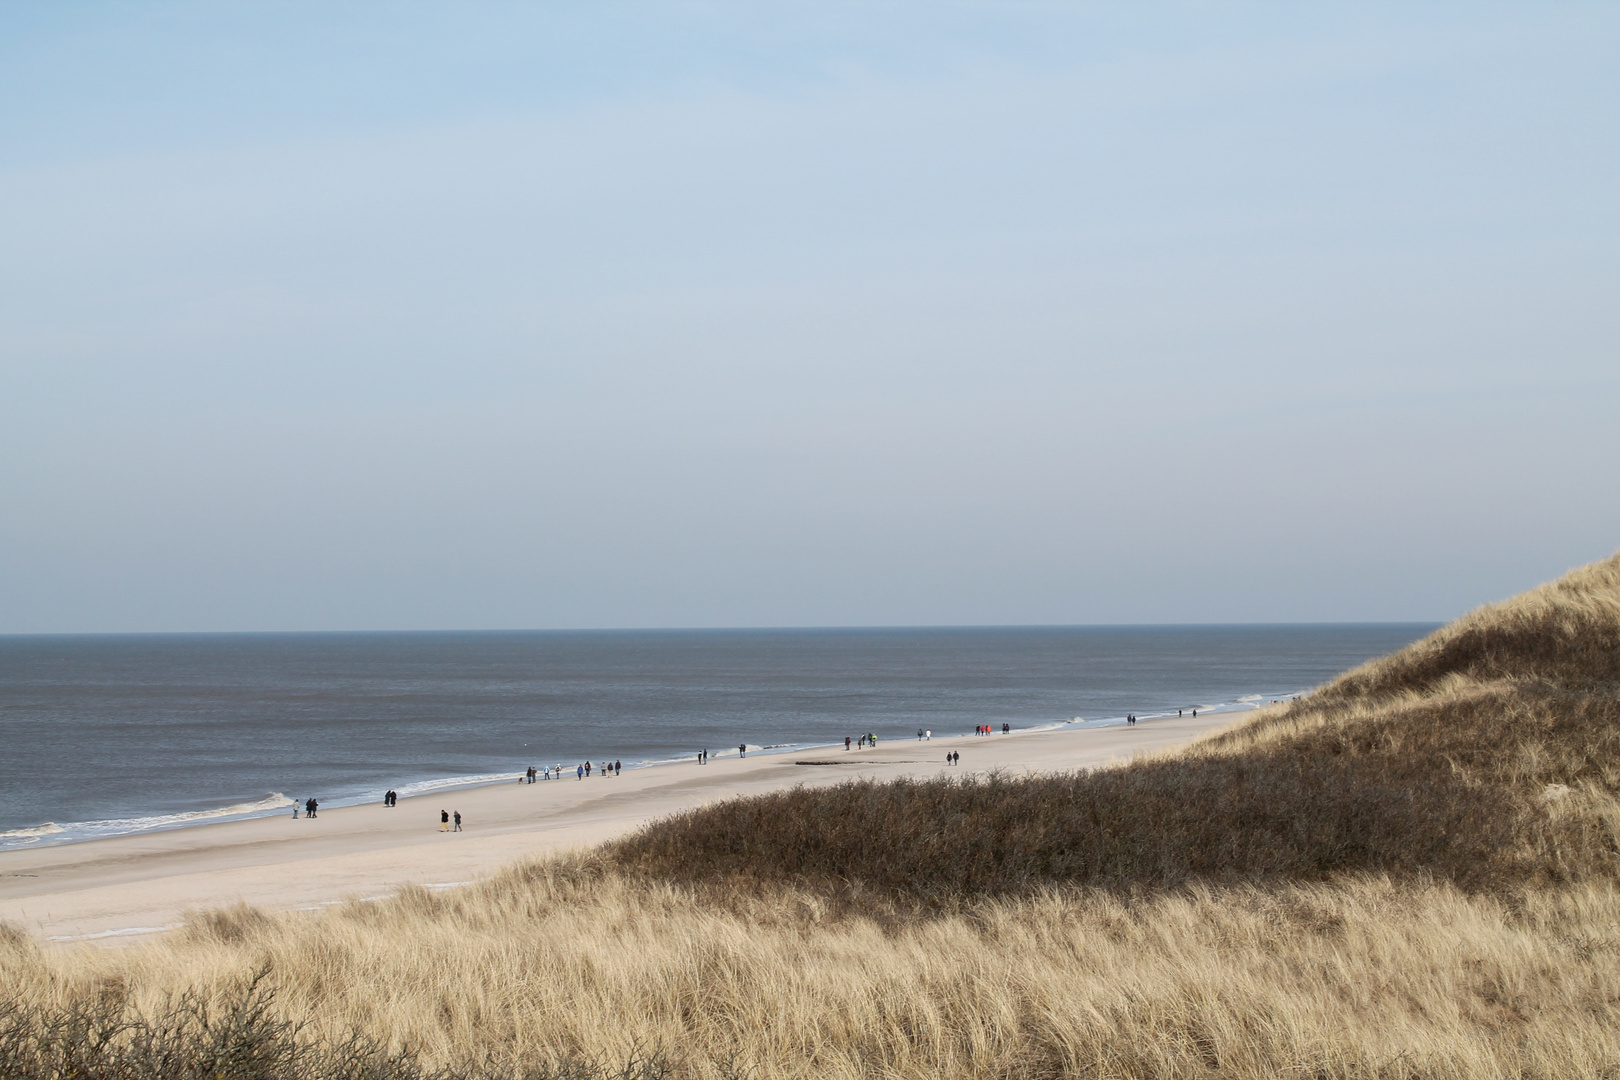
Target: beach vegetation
(1413, 871)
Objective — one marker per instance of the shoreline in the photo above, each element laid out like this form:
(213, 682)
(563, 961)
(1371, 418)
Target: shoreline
(125, 888)
(52, 834)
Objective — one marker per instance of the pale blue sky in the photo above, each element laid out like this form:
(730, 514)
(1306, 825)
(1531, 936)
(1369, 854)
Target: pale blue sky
(355, 316)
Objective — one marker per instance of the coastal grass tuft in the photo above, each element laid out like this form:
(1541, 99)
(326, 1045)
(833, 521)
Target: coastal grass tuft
(1410, 872)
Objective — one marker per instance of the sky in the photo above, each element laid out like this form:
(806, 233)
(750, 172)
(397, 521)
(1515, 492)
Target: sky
(349, 316)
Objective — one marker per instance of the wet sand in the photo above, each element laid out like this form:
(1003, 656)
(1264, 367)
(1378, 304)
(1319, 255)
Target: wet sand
(124, 888)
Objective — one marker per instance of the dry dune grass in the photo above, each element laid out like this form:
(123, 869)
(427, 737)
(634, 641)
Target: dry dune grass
(560, 963)
(1409, 873)
(1487, 754)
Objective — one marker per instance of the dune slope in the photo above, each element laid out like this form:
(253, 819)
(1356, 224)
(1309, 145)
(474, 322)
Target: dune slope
(1409, 873)
(1487, 754)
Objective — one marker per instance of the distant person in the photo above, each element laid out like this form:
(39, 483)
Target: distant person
(587, 768)
(310, 806)
(846, 742)
(929, 735)
(444, 821)
(1178, 711)
(919, 734)
(616, 766)
(1006, 729)
(1195, 714)
(742, 750)
(458, 821)
(580, 769)
(295, 809)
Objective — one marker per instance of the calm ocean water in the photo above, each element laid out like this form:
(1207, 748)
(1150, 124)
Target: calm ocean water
(106, 735)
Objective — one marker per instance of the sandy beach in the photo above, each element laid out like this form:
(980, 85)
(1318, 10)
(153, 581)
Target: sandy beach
(125, 888)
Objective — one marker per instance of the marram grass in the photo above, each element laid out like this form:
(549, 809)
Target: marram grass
(1409, 873)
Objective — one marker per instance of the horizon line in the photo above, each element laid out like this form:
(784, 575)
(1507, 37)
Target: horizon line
(826, 628)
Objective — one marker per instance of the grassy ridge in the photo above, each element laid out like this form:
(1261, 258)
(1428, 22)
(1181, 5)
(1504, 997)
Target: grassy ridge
(1410, 873)
(1455, 788)
(1487, 754)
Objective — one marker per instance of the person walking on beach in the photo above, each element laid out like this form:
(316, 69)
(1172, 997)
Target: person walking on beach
(444, 821)
(295, 809)
(929, 735)
(458, 821)
(742, 750)
(580, 771)
(310, 806)
(616, 766)
(846, 742)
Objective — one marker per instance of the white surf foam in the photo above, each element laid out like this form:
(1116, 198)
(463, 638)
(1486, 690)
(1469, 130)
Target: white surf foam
(89, 830)
(423, 787)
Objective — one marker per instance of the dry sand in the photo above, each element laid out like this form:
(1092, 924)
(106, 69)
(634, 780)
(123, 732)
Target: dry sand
(123, 888)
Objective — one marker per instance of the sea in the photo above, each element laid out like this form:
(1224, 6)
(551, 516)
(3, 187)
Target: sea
(109, 735)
